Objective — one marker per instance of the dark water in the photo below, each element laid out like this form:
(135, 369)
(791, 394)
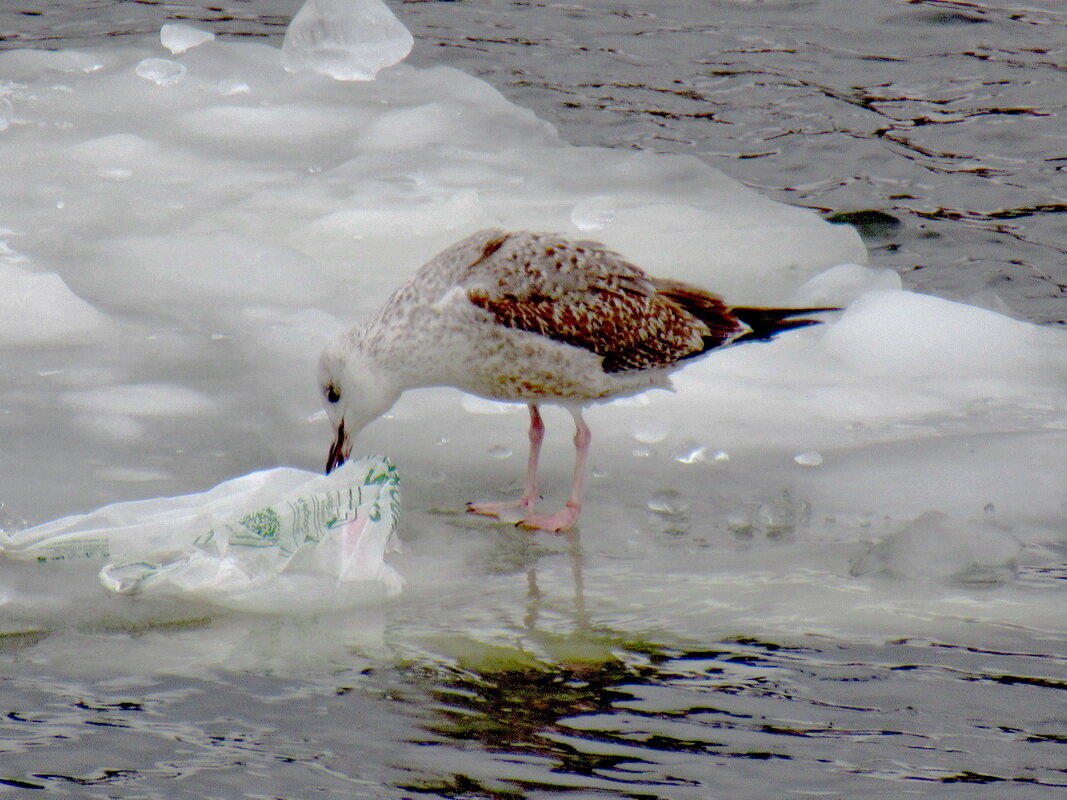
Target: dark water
(947, 119)
(605, 717)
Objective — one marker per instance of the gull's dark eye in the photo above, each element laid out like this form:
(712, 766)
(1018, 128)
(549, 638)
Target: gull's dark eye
(332, 395)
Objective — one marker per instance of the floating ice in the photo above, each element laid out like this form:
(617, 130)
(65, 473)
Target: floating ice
(226, 233)
(650, 430)
(179, 37)
(160, 71)
(350, 40)
(39, 308)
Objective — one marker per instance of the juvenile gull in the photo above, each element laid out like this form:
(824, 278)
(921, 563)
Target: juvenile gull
(536, 318)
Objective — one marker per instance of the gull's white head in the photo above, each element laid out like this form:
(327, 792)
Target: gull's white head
(355, 392)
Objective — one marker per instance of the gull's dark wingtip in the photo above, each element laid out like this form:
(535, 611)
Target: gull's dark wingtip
(766, 323)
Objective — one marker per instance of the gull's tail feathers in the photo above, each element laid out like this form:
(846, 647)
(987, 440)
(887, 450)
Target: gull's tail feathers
(766, 323)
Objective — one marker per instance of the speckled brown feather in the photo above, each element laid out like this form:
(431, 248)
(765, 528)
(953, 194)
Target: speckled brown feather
(583, 295)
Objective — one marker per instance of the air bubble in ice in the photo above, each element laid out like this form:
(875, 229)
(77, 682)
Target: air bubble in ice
(650, 431)
(228, 87)
(499, 451)
(178, 37)
(668, 501)
(160, 71)
(11, 522)
(808, 459)
(781, 516)
(690, 453)
(594, 213)
(114, 173)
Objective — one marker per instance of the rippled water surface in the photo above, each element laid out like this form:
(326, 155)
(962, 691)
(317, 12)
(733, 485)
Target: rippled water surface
(534, 678)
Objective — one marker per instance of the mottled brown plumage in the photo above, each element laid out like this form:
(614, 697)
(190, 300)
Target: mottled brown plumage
(584, 295)
(536, 318)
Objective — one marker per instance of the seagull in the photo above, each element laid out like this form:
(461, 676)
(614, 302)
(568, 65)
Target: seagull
(535, 318)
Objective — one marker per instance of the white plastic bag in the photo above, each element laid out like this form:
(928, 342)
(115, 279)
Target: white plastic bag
(276, 540)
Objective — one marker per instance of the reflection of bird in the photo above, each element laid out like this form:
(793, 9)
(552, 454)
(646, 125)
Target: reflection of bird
(535, 318)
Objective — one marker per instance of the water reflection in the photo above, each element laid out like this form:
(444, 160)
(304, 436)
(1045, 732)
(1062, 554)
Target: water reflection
(577, 705)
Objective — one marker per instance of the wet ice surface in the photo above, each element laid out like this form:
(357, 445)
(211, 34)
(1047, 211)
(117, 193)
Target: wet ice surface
(830, 565)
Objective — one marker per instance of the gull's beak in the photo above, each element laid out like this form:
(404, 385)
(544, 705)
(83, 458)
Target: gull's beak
(340, 450)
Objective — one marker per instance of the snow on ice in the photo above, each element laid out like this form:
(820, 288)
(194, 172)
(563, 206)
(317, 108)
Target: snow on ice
(185, 226)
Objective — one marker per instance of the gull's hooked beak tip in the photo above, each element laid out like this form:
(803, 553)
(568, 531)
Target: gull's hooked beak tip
(340, 450)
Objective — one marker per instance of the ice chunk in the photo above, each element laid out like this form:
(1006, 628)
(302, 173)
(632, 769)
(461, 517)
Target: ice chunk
(350, 40)
(179, 37)
(38, 307)
(160, 71)
(937, 547)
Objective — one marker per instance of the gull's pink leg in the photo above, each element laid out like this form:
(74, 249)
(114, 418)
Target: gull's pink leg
(529, 497)
(565, 518)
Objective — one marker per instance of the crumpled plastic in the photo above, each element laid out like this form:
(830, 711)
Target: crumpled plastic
(278, 540)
